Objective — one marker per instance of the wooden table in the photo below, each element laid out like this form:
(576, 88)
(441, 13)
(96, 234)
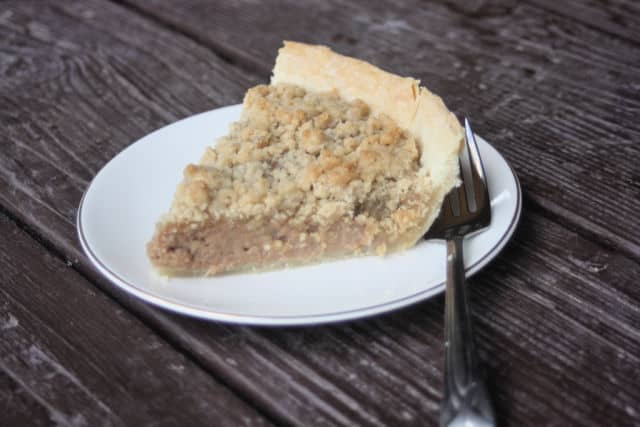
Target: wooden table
(554, 85)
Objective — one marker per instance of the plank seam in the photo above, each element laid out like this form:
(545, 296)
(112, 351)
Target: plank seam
(540, 6)
(606, 240)
(219, 50)
(54, 414)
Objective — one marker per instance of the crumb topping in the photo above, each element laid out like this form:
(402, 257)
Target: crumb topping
(306, 158)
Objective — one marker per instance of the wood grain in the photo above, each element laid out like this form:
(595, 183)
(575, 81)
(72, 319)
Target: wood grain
(558, 98)
(17, 405)
(79, 80)
(73, 354)
(618, 18)
(557, 315)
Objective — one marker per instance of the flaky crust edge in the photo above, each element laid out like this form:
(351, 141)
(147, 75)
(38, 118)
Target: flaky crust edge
(412, 107)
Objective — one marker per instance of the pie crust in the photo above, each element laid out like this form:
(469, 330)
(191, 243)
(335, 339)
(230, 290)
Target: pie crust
(335, 158)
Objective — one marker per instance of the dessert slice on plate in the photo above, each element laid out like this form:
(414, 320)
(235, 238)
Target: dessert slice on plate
(334, 158)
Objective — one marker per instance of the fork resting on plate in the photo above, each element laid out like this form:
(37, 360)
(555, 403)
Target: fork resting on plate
(466, 210)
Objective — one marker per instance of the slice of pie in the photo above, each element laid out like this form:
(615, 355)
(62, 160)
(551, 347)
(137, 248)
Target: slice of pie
(334, 158)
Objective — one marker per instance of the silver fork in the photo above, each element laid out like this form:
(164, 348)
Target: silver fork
(466, 209)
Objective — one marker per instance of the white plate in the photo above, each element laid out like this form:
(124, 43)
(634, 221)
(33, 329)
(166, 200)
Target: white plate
(119, 210)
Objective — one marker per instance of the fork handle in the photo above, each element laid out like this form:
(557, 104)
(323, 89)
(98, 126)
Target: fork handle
(466, 399)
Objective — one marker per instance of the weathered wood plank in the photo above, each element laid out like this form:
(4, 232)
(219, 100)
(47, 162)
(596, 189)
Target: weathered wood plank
(537, 301)
(57, 74)
(557, 98)
(619, 18)
(72, 354)
(16, 405)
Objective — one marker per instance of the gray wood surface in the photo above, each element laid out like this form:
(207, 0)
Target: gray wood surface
(71, 356)
(557, 313)
(17, 405)
(620, 19)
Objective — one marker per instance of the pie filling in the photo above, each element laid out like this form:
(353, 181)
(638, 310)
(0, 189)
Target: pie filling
(303, 176)
(217, 247)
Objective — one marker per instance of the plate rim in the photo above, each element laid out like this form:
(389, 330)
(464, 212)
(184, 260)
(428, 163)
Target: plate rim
(289, 320)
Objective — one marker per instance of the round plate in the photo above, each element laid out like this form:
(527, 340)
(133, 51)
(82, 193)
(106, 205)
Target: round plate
(119, 210)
